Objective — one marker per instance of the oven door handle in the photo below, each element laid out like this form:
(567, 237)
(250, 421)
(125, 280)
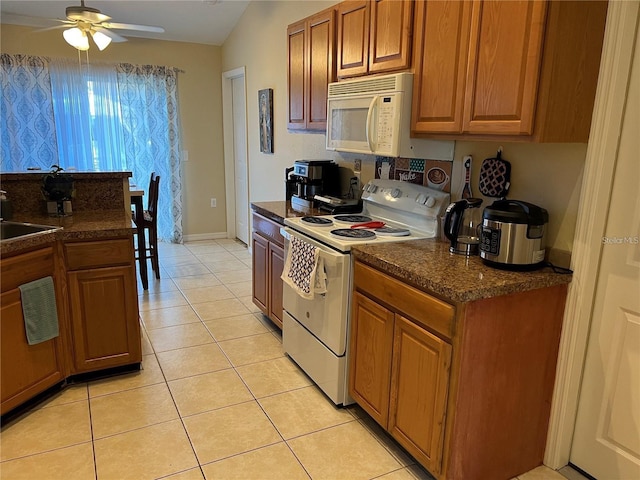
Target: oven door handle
(331, 257)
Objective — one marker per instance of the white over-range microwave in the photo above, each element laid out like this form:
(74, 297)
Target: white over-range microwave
(372, 115)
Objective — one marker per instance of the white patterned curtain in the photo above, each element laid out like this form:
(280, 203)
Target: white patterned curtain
(26, 114)
(149, 107)
(95, 118)
(86, 108)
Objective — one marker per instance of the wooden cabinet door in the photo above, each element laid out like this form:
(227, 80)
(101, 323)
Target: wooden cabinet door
(371, 347)
(26, 370)
(311, 67)
(104, 318)
(353, 38)
(440, 59)
(419, 386)
(260, 271)
(276, 265)
(505, 56)
(321, 69)
(390, 35)
(296, 49)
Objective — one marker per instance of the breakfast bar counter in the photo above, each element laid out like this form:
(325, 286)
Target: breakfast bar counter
(85, 225)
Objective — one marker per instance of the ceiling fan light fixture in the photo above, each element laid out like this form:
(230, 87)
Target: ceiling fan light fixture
(102, 40)
(77, 38)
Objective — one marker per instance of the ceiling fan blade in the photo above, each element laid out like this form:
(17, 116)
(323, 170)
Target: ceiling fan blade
(56, 27)
(112, 35)
(27, 20)
(131, 26)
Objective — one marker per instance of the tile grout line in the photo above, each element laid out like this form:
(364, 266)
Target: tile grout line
(255, 399)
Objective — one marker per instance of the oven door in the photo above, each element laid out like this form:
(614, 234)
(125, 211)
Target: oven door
(325, 316)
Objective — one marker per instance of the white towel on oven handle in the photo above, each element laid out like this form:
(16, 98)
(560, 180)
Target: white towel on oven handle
(304, 269)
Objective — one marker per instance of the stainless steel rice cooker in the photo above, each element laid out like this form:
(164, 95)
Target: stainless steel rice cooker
(513, 235)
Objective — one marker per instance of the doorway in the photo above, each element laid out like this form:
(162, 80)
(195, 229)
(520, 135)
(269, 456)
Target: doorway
(235, 153)
(606, 441)
(595, 419)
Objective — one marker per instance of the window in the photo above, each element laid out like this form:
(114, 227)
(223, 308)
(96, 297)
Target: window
(95, 118)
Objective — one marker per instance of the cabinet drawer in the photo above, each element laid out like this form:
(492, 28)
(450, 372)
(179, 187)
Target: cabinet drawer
(26, 268)
(106, 253)
(419, 306)
(268, 229)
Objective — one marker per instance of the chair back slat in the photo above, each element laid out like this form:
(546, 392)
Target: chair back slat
(154, 187)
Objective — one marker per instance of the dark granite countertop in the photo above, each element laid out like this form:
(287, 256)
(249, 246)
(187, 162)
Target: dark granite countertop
(86, 225)
(279, 210)
(428, 265)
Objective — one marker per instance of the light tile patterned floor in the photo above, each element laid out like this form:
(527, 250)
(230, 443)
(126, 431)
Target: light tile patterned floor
(216, 398)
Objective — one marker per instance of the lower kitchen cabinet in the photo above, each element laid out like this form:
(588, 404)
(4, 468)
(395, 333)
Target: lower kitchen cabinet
(419, 386)
(276, 266)
(464, 387)
(103, 304)
(371, 357)
(399, 370)
(267, 245)
(26, 370)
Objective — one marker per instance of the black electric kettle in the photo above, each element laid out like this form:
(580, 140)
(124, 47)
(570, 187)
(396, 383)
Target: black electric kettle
(462, 226)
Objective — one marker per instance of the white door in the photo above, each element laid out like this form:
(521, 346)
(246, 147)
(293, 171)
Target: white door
(606, 442)
(240, 159)
(236, 170)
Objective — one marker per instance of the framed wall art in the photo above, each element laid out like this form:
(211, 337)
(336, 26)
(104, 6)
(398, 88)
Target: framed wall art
(265, 111)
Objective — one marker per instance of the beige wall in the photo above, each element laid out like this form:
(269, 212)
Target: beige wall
(200, 109)
(549, 175)
(259, 43)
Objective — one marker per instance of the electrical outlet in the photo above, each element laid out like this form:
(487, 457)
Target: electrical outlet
(357, 165)
(214, 203)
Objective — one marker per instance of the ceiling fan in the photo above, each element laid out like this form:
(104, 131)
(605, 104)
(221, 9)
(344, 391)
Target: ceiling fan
(83, 22)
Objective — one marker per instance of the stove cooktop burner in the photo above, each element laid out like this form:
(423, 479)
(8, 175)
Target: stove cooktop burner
(392, 232)
(353, 233)
(317, 221)
(352, 218)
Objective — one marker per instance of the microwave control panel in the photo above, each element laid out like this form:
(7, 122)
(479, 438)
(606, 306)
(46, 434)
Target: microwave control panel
(385, 120)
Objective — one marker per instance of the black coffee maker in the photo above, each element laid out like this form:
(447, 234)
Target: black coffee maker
(308, 178)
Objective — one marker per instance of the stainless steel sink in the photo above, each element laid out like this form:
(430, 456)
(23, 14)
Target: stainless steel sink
(11, 230)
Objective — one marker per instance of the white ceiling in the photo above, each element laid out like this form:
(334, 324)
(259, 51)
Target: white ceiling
(198, 21)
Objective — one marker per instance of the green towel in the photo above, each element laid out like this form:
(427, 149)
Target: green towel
(39, 310)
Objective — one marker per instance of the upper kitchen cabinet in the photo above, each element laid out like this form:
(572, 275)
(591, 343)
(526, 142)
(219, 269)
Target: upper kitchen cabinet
(311, 67)
(516, 70)
(374, 36)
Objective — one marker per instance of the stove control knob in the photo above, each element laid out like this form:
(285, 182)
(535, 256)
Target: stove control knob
(395, 193)
(373, 189)
(421, 198)
(430, 202)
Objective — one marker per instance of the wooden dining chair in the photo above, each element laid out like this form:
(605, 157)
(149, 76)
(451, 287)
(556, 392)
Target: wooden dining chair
(150, 223)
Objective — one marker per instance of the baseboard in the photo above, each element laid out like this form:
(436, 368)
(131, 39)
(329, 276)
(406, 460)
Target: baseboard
(204, 236)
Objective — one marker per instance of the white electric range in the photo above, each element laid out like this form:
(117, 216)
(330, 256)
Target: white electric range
(315, 331)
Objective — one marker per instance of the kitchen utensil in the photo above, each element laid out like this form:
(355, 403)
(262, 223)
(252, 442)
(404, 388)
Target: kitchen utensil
(495, 176)
(373, 224)
(466, 189)
(462, 222)
(513, 235)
